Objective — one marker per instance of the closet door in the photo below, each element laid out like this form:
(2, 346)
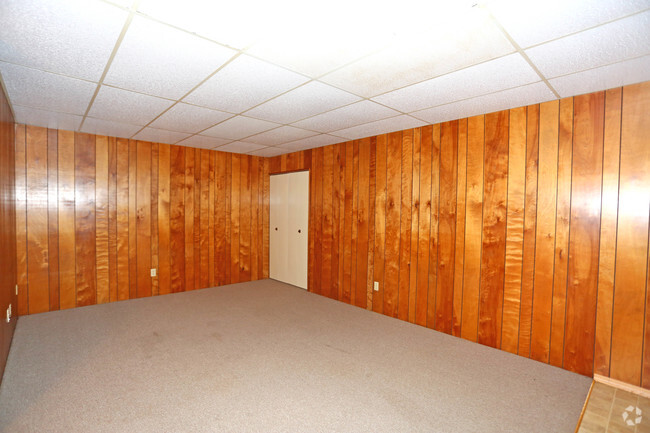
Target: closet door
(289, 219)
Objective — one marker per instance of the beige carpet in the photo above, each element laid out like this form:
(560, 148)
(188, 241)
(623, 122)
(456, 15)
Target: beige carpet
(268, 357)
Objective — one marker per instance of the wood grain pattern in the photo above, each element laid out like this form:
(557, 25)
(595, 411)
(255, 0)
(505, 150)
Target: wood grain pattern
(608, 220)
(363, 217)
(85, 228)
(220, 220)
(244, 218)
(235, 180)
(494, 229)
(371, 224)
(122, 174)
(255, 220)
(632, 237)
(37, 239)
(317, 194)
(101, 218)
(155, 248)
(459, 249)
(164, 209)
(196, 243)
(337, 227)
(392, 241)
(545, 242)
(143, 219)
(585, 230)
(189, 219)
(112, 219)
(204, 242)
(347, 223)
(355, 220)
(53, 218)
(514, 230)
(177, 219)
(21, 220)
(327, 223)
(424, 227)
(67, 268)
(133, 219)
(562, 220)
(435, 218)
(380, 224)
(405, 225)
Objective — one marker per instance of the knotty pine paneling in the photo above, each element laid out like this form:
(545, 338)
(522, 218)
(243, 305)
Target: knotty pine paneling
(525, 230)
(8, 208)
(96, 214)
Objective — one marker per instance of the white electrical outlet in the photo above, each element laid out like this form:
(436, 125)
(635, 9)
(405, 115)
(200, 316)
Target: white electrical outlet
(376, 286)
(153, 272)
(16, 289)
(9, 314)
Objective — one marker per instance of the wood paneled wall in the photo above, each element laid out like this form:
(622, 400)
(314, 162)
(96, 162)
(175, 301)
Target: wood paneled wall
(7, 229)
(95, 214)
(524, 230)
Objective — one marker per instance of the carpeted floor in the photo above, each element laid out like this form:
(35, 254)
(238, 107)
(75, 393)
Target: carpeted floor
(268, 357)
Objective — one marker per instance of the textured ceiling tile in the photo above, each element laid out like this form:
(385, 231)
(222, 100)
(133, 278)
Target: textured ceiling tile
(280, 135)
(46, 119)
(512, 98)
(605, 77)
(311, 142)
(495, 75)
(189, 118)
(34, 88)
(392, 124)
(239, 127)
(127, 107)
(162, 61)
(346, 117)
(305, 101)
(530, 23)
(71, 37)
(160, 136)
(620, 40)
(268, 152)
(244, 83)
(437, 49)
(110, 128)
(240, 147)
(203, 142)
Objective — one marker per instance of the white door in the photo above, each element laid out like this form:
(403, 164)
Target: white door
(289, 219)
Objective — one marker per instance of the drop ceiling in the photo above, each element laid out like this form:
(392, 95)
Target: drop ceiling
(267, 78)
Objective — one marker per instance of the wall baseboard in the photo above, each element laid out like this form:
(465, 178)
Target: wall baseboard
(622, 385)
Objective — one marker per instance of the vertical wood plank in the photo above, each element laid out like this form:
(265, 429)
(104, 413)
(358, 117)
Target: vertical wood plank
(220, 220)
(371, 223)
(265, 212)
(380, 223)
(447, 225)
(355, 221)
(197, 219)
(608, 220)
(435, 222)
(459, 263)
(155, 241)
(317, 170)
(164, 219)
(37, 239)
(234, 218)
(424, 226)
(473, 227)
(122, 168)
(177, 219)
(530, 228)
(585, 230)
(133, 224)
(53, 217)
(67, 268)
(228, 225)
(494, 228)
(112, 219)
(565, 154)
(245, 220)
(189, 219)
(143, 219)
(392, 242)
(205, 219)
(545, 243)
(101, 217)
(405, 225)
(21, 220)
(255, 220)
(363, 211)
(336, 216)
(514, 230)
(347, 223)
(327, 223)
(632, 237)
(85, 228)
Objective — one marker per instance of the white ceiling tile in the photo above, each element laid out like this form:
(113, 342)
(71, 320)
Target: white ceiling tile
(121, 3)
(46, 119)
(530, 23)
(244, 83)
(500, 74)
(160, 136)
(620, 40)
(189, 118)
(71, 37)
(38, 89)
(108, 127)
(203, 142)
(439, 48)
(268, 152)
(127, 107)
(240, 147)
(280, 135)
(384, 126)
(162, 61)
(311, 142)
(511, 98)
(239, 127)
(305, 101)
(605, 77)
(348, 116)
